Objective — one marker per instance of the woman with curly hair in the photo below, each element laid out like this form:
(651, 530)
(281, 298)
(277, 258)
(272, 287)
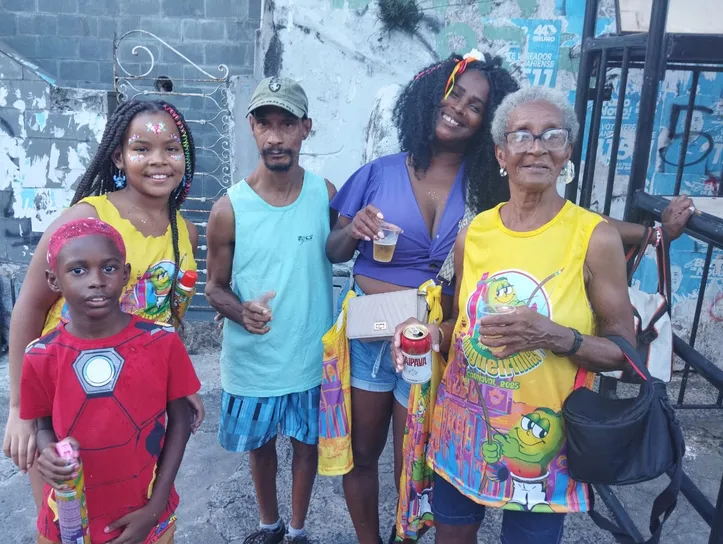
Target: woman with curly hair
(446, 174)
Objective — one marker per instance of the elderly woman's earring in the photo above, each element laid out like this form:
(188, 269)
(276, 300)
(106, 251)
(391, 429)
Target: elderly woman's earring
(569, 172)
(503, 171)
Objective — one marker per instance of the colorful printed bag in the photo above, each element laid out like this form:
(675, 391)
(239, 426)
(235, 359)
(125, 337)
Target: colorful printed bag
(335, 454)
(415, 485)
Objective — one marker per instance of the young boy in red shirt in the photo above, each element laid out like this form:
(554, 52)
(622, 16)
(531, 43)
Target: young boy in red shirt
(107, 380)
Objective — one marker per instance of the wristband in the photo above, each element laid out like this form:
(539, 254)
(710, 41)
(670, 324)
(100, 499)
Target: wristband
(575, 345)
(441, 336)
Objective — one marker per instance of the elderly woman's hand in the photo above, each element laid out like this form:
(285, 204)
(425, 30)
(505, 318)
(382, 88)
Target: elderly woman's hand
(523, 330)
(676, 215)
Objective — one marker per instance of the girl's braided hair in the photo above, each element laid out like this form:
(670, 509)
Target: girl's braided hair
(98, 178)
(417, 112)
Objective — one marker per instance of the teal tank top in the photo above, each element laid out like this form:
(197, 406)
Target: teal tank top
(279, 249)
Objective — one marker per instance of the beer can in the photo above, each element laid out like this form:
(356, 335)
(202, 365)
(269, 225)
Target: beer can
(416, 346)
(72, 508)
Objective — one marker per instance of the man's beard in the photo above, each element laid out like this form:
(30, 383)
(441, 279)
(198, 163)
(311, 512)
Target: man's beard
(275, 166)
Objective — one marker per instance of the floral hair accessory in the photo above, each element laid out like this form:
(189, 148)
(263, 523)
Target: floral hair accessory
(473, 56)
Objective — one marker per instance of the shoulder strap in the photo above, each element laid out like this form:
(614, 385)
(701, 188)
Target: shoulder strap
(636, 253)
(663, 257)
(446, 273)
(635, 256)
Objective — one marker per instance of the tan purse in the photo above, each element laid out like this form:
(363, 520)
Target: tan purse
(373, 318)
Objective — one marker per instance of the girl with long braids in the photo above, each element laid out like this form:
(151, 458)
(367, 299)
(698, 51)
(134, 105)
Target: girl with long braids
(446, 174)
(137, 181)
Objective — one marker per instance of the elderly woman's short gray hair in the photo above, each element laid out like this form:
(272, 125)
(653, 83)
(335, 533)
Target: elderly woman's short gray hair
(533, 94)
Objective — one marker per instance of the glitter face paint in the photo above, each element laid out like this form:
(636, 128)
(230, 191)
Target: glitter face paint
(156, 128)
(177, 157)
(135, 158)
(175, 137)
(133, 138)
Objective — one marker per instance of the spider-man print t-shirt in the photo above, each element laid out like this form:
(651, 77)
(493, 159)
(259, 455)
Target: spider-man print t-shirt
(110, 395)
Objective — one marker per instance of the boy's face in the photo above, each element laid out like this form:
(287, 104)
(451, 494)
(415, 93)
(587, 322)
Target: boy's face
(91, 275)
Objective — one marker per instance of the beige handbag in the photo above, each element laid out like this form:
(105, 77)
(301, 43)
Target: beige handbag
(373, 318)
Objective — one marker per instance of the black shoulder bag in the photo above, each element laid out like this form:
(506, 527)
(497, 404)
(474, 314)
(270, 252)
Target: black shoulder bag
(613, 441)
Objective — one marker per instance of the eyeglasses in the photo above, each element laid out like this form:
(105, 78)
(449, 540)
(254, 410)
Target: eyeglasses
(553, 139)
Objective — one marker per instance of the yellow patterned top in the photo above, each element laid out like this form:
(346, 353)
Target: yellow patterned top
(152, 267)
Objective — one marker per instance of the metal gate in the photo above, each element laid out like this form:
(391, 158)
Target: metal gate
(654, 53)
(147, 67)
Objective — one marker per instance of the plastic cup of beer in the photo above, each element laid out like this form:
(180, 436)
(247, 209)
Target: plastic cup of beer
(497, 309)
(384, 247)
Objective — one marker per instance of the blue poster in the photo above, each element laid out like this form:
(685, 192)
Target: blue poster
(607, 125)
(542, 49)
(702, 163)
(703, 160)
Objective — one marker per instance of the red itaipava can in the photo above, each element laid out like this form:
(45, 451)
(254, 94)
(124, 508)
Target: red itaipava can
(416, 346)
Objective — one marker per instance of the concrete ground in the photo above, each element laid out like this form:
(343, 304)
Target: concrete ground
(218, 504)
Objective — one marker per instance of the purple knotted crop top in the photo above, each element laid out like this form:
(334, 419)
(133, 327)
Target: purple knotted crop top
(417, 258)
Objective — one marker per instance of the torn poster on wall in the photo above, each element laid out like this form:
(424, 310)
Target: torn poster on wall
(538, 52)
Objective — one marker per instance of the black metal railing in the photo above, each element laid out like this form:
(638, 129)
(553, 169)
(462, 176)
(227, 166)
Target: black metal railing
(653, 53)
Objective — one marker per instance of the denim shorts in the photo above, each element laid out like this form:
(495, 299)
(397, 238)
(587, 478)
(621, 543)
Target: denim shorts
(371, 363)
(450, 507)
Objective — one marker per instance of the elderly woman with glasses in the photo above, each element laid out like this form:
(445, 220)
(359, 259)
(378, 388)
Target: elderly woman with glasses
(540, 283)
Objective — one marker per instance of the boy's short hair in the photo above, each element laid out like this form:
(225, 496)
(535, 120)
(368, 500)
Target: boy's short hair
(78, 228)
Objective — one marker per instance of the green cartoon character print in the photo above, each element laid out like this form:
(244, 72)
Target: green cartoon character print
(502, 293)
(526, 451)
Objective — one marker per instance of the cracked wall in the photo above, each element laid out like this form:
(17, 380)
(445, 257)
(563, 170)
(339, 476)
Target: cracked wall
(352, 70)
(47, 137)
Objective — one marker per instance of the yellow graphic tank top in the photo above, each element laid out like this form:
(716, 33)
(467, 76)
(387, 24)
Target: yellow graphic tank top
(152, 267)
(498, 432)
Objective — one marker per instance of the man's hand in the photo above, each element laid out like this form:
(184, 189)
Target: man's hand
(135, 526)
(676, 215)
(256, 314)
(19, 441)
(55, 470)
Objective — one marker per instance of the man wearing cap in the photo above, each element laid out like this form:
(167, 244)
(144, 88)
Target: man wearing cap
(269, 277)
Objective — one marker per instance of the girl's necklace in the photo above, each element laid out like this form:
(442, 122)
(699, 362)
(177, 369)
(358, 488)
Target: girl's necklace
(146, 220)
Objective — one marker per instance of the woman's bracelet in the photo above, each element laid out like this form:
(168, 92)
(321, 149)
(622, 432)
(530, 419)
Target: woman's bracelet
(441, 335)
(577, 342)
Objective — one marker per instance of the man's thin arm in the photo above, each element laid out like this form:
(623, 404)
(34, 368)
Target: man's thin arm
(333, 214)
(630, 233)
(221, 238)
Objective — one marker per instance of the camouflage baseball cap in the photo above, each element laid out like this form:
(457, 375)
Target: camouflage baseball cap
(281, 92)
